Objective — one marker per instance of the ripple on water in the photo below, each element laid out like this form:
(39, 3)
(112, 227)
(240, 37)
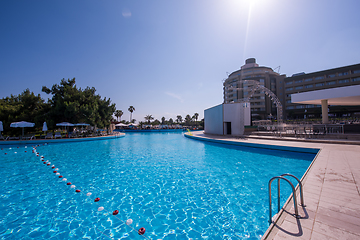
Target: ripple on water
(174, 187)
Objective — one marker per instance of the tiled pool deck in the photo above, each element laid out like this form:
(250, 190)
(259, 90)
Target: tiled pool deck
(331, 189)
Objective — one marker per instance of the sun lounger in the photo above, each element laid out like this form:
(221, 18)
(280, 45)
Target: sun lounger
(49, 135)
(29, 137)
(58, 134)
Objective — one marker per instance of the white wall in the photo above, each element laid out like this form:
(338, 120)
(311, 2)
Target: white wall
(213, 120)
(247, 114)
(234, 112)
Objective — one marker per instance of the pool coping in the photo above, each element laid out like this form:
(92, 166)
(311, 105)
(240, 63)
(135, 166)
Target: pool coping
(59, 140)
(331, 186)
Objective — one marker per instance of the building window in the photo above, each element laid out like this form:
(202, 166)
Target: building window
(288, 101)
(319, 84)
(309, 86)
(356, 71)
(288, 95)
(331, 75)
(319, 77)
(298, 81)
(344, 80)
(261, 80)
(289, 89)
(343, 73)
(288, 83)
(355, 79)
(308, 80)
(298, 87)
(331, 83)
(290, 107)
(300, 106)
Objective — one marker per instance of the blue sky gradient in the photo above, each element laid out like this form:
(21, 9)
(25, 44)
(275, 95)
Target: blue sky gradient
(168, 58)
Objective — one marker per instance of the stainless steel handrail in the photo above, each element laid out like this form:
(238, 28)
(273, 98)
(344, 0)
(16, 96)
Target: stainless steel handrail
(294, 197)
(300, 186)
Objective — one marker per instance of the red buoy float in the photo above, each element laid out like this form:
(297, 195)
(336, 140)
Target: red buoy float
(77, 190)
(48, 164)
(69, 183)
(54, 171)
(141, 231)
(115, 212)
(60, 176)
(53, 167)
(97, 199)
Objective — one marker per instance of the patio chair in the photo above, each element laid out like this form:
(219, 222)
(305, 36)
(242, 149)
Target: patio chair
(49, 135)
(29, 137)
(58, 134)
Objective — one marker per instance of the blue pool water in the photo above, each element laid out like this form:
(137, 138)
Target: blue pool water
(174, 187)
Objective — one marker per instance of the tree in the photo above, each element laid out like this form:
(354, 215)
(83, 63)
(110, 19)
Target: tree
(179, 119)
(171, 121)
(148, 118)
(187, 119)
(131, 109)
(24, 107)
(70, 104)
(118, 114)
(196, 115)
(163, 120)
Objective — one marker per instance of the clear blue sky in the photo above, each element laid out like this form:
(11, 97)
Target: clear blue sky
(168, 58)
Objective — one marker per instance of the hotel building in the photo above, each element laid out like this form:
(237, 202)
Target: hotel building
(236, 89)
(326, 79)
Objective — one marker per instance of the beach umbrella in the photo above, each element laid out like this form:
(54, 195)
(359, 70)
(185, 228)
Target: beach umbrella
(22, 124)
(82, 125)
(121, 125)
(65, 124)
(45, 127)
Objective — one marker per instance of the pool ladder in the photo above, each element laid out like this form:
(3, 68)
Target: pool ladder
(282, 177)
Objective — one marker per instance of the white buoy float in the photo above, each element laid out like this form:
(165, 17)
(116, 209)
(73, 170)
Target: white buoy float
(88, 194)
(100, 209)
(129, 221)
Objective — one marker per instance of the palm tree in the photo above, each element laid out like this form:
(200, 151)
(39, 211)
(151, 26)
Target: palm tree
(118, 114)
(163, 120)
(149, 118)
(188, 119)
(179, 119)
(196, 115)
(131, 109)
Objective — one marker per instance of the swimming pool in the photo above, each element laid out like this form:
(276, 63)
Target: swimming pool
(174, 187)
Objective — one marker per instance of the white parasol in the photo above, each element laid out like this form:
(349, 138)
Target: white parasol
(45, 127)
(22, 124)
(65, 124)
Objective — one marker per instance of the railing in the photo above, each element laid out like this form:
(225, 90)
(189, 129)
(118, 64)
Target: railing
(282, 177)
(302, 130)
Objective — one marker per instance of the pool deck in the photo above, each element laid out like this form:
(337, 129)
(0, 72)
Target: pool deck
(331, 188)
